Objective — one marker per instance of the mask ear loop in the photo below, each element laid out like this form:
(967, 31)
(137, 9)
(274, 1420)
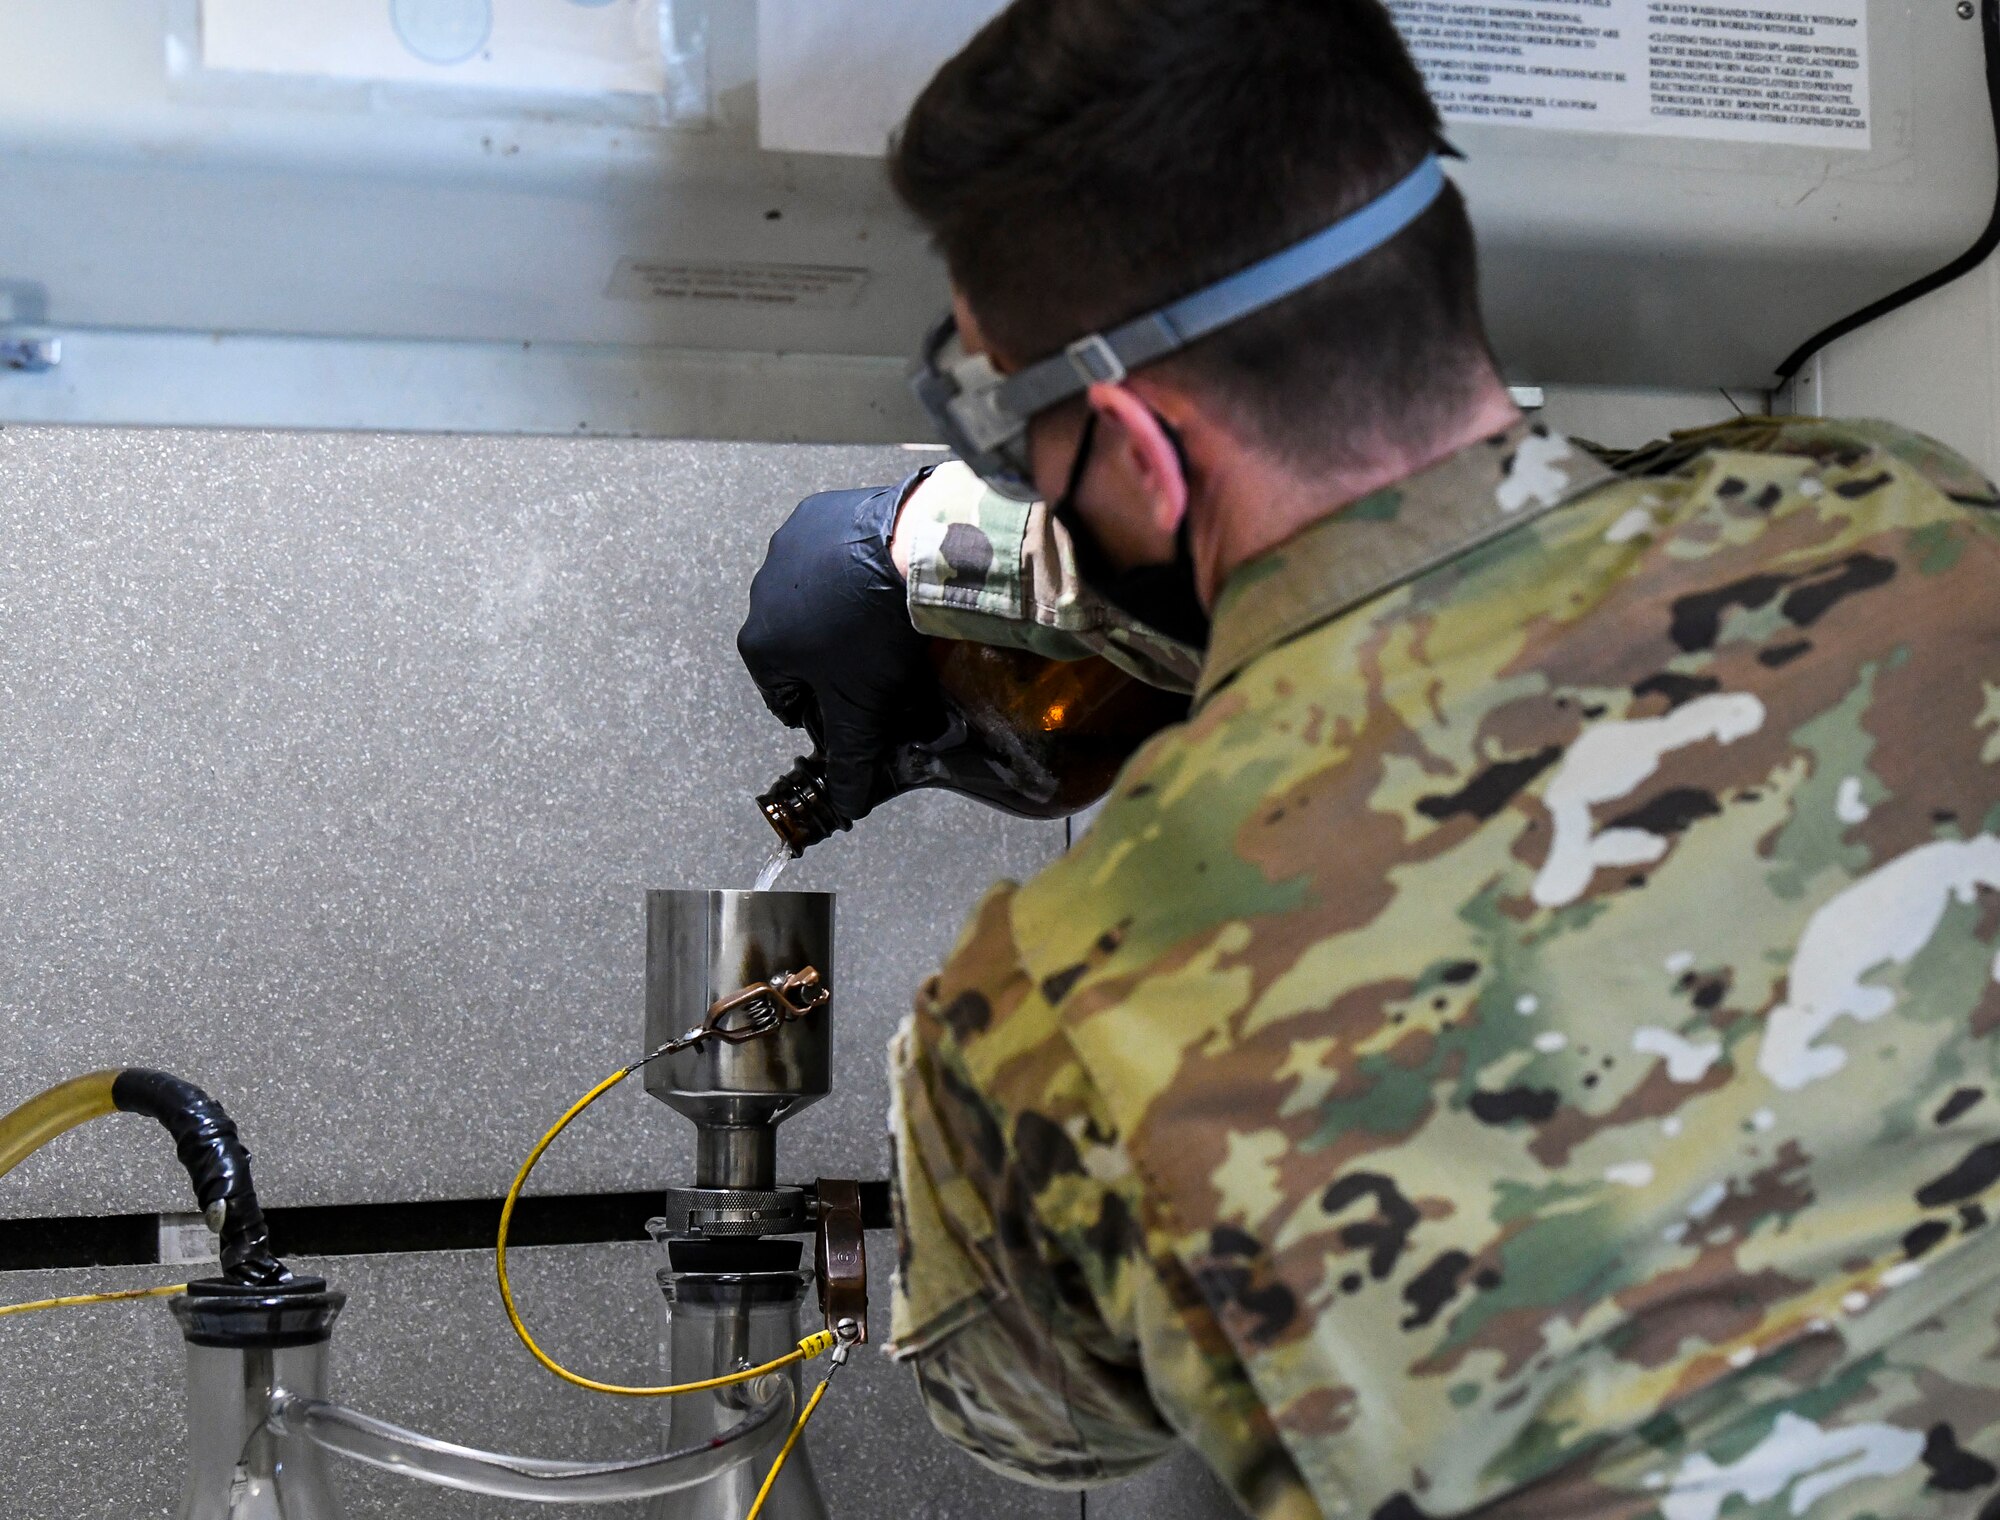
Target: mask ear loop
(1082, 541)
(1064, 506)
(1090, 561)
(1190, 623)
(1184, 534)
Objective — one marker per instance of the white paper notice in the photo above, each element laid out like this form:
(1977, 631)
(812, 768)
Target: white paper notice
(1772, 72)
(563, 46)
(836, 76)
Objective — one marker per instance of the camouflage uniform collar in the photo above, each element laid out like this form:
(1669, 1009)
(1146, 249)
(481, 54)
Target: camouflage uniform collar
(1391, 536)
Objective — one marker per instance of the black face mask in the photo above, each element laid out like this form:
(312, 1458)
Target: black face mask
(1163, 597)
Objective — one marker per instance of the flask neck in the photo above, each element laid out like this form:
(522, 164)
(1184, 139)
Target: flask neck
(236, 1466)
(717, 1322)
(243, 1345)
(797, 806)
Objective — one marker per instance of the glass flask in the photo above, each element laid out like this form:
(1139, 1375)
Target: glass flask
(1019, 731)
(260, 1426)
(242, 1345)
(717, 1322)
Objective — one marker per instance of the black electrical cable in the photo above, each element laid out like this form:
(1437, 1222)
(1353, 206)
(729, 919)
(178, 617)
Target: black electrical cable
(1965, 263)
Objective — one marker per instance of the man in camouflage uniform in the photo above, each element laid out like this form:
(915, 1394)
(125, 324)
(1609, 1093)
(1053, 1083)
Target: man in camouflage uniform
(1525, 1045)
(1556, 1079)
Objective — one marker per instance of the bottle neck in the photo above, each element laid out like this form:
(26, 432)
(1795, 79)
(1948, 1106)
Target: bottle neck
(798, 808)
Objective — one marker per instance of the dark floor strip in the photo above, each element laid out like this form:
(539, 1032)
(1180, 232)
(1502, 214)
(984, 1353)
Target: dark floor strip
(366, 1229)
(348, 1229)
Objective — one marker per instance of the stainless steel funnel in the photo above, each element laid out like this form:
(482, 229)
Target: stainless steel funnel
(705, 946)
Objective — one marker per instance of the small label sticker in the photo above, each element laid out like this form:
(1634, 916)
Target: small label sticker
(815, 285)
(185, 1240)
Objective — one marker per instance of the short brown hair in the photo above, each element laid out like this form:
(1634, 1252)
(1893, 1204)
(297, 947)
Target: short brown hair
(1083, 161)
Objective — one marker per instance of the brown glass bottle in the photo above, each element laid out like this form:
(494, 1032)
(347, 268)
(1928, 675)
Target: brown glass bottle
(1039, 737)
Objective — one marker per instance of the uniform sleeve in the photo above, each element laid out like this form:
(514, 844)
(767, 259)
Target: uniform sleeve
(993, 571)
(1013, 1355)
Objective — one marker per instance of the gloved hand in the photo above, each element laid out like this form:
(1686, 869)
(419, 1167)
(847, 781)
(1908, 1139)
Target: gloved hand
(829, 642)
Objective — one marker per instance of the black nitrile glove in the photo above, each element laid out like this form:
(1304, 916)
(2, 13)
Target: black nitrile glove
(829, 642)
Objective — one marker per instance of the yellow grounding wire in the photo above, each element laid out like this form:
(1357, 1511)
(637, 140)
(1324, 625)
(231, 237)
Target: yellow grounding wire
(817, 1344)
(77, 1300)
(798, 1429)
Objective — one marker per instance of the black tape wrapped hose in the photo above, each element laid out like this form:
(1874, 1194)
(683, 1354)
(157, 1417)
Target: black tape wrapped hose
(218, 1164)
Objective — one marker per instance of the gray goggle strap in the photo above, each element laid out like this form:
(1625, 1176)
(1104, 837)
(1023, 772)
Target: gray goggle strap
(1106, 358)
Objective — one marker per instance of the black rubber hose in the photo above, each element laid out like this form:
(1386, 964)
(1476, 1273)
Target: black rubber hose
(218, 1164)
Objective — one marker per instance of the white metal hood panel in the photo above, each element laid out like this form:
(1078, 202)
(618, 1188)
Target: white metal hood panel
(259, 249)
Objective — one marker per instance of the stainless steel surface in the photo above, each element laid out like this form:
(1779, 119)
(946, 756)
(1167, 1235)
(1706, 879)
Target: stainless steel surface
(333, 771)
(702, 947)
(734, 1158)
(722, 1212)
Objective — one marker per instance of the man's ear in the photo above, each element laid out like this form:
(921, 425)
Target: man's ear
(1150, 455)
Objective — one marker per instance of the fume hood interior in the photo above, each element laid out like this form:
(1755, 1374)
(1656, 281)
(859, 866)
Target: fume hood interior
(433, 215)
